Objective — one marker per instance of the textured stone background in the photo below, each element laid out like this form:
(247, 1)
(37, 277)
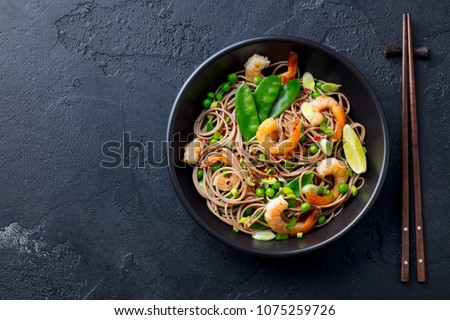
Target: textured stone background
(74, 75)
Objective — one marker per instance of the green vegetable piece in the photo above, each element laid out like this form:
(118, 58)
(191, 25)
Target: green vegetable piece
(288, 165)
(291, 223)
(207, 103)
(209, 126)
(214, 104)
(343, 188)
(276, 185)
(219, 96)
(257, 79)
(262, 156)
(246, 112)
(225, 87)
(330, 87)
(212, 141)
(266, 94)
(315, 94)
(217, 135)
(211, 95)
(216, 166)
(354, 191)
(305, 207)
(234, 192)
(349, 172)
(308, 81)
(287, 94)
(200, 174)
(302, 138)
(281, 236)
(232, 78)
(292, 187)
(311, 188)
(248, 212)
(319, 85)
(307, 178)
(270, 192)
(235, 229)
(313, 149)
(321, 219)
(259, 192)
(300, 235)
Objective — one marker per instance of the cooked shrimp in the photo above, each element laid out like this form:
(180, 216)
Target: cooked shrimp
(325, 102)
(254, 65)
(329, 167)
(226, 181)
(292, 68)
(268, 132)
(224, 158)
(193, 151)
(274, 219)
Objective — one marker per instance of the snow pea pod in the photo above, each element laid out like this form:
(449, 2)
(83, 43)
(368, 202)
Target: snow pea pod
(246, 113)
(266, 94)
(287, 94)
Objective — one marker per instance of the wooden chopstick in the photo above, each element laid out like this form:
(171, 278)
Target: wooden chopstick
(420, 251)
(404, 276)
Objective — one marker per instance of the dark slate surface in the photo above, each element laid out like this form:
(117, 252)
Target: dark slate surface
(75, 75)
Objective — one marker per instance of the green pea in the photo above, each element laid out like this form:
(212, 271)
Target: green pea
(343, 188)
(259, 192)
(232, 77)
(302, 138)
(315, 94)
(207, 103)
(219, 96)
(313, 149)
(225, 87)
(200, 174)
(248, 211)
(319, 85)
(212, 141)
(257, 80)
(321, 219)
(270, 192)
(211, 95)
(276, 185)
(305, 207)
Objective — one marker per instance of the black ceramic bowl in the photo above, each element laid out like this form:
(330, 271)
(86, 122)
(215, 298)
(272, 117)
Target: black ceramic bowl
(321, 62)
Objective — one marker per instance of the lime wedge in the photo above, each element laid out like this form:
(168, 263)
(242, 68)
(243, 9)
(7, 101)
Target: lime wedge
(326, 146)
(264, 235)
(354, 152)
(308, 81)
(330, 87)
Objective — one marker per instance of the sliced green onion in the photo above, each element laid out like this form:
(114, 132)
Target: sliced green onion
(349, 172)
(365, 149)
(281, 236)
(310, 188)
(264, 235)
(235, 229)
(249, 181)
(354, 191)
(214, 104)
(270, 180)
(262, 156)
(243, 220)
(300, 235)
(330, 87)
(270, 171)
(217, 136)
(286, 190)
(234, 192)
(308, 81)
(326, 146)
(291, 223)
(288, 165)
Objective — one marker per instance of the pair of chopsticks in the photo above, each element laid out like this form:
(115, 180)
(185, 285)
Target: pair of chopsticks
(409, 125)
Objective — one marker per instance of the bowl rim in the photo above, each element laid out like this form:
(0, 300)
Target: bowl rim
(177, 105)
